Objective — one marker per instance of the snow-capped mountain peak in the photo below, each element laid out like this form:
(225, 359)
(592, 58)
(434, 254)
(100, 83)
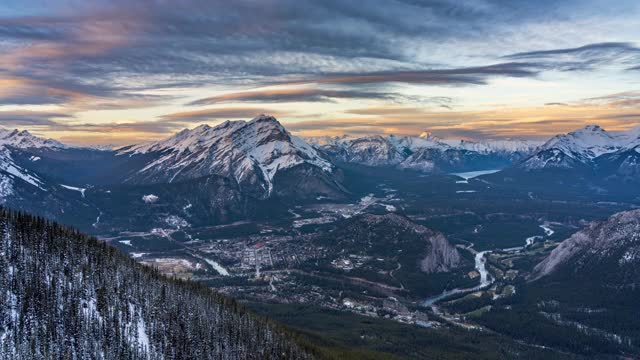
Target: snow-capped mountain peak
(25, 140)
(582, 147)
(247, 151)
(588, 142)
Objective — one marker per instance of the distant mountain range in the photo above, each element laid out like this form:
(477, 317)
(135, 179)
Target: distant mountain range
(586, 162)
(238, 169)
(591, 146)
(220, 174)
(426, 153)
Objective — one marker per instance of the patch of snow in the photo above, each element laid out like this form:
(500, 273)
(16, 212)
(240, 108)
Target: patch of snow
(6, 188)
(465, 191)
(8, 165)
(176, 221)
(125, 242)
(136, 255)
(150, 199)
(389, 208)
(143, 338)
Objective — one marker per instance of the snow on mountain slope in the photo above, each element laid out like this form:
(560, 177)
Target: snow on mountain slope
(586, 143)
(10, 172)
(251, 152)
(25, 140)
(631, 138)
(580, 147)
(426, 153)
(496, 146)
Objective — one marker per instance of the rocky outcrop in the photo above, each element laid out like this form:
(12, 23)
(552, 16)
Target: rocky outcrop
(606, 252)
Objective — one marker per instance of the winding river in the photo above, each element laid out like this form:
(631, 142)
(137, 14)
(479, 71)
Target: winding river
(485, 280)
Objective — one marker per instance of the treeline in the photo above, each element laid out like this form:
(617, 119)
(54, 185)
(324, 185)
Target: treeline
(64, 295)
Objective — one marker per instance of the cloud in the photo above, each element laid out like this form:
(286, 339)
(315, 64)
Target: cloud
(30, 118)
(583, 58)
(312, 95)
(76, 57)
(530, 122)
(456, 76)
(591, 49)
(626, 99)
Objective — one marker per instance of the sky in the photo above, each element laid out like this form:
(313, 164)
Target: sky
(120, 72)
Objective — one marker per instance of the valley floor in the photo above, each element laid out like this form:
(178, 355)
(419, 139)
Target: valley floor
(500, 233)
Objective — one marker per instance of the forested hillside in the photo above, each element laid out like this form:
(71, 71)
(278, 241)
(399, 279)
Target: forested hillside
(64, 295)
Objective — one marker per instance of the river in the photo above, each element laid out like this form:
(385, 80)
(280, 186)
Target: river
(485, 280)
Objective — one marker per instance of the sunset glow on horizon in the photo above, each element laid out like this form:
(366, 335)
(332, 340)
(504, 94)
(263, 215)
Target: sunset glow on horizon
(120, 72)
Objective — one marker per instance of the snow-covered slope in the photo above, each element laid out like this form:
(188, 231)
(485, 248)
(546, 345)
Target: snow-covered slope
(250, 152)
(426, 153)
(581, 147)
(11, 173)
(496, 146)
(25, 140)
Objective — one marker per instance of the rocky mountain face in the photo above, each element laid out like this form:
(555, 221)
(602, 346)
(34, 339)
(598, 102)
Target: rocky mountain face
(426, 153)
(607, 253)
(25, 188)
(25, 140)
(228, 172)
(78, 298)
(255, 154)
(583, 148)
(14, 177)
(391, 234)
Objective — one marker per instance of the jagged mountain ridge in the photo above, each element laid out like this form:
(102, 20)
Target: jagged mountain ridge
(25, 140)
(583, 147)
(426, 153)
(252, 153)
(227, 172)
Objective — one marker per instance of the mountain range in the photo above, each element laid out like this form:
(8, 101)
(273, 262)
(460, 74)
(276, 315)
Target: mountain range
(237, 169)
(591, 146)
(425, 153)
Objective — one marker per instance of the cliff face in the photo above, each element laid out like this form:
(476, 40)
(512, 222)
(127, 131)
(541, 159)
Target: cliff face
(607, 252)
(395, 235)
(442, 256)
